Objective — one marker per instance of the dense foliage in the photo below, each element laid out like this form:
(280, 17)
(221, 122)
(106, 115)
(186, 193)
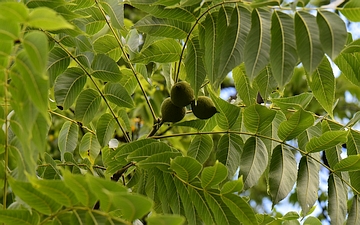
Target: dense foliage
(83, 142)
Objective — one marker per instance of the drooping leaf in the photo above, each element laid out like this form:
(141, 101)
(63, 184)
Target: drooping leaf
(19, 216)
(222, 213)
(58, 62)
(322, 84)
(115, 10)
(229, 151)
(47, 19)
(89, 147)
(187, 168)
(68, 137)
(354, 214)
(163, 27)
(161, 51)
(200, 148)
(195, 70)
(33, 197)
(293, 102)
(201, 205)
(337, 204)
(282, 174)
(265, 83)
(327, 140)
(295, 125)
(189, 208)
(307, 40)
(257, 47)
(258, 117)
(243, 86)
(213, 175)
(351, 10)
(333, 32)
(308, 182)
(353, 148)
(349, 64)
(240, 208)
(118, 95)
(105, 129)
(254, 160)
(283, 55)
(228, 112)
(105, 68)
(68, 86)
(351, 163)
(87, 105)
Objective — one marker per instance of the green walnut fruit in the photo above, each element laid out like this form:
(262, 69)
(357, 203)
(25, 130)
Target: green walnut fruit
(171, 112)
(182, 94)
(203, 108)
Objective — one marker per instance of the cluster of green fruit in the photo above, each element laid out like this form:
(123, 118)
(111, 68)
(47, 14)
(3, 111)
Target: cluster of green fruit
(173, 108)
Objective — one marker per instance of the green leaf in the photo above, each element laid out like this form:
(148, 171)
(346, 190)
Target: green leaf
(89, 147)
(124, 150)
(354, 214)
(105, 129)
(58, 62)
(322, 84)
(337, 204)
(229, 151)
(201, 205)
(333, 32)
(307, 40)
(213, 175)
(351, 10)
(222, 214)
(128, 80)
(159, 160)
(47, 19)
(228, 112)
(19, 216)
(327, 140)
(105, 68)
(68, 138)
(200, 148)
(258, 117)
(87, 105)
(353, 120)
(283, 55)
(161, 51)
(254, 160)
(15, 11)
(35, 44)
(115, 10)
(147, 150)
(80, 187)
(282, 173)
(353, 148)
(56, 190)
(232, 186)
(243, 86)
(312, 221)
(186, 168)
(349, 64)
(68, 86)
(132, 206)
(233, 41)
(295, 125)
(240, 208)
(166, 219)
(265, 83)
(257, 47)
(93, 20)
(118, 95)
(293, 102)
(107, 44)
(33, 197)
(351, 163)
(308, 182)
(9, 30)
(194, 65)
(189, 209)
(163, 27)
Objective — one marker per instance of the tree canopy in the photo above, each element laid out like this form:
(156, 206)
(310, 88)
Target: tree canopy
(83, 140)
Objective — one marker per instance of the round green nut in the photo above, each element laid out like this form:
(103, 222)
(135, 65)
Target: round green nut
(204, 107)
(171, 112)
(182, 94)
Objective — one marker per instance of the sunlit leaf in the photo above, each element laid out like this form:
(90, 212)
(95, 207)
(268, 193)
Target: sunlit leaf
(17, 11)
(283, 55)
(9, 30)
(222, 213)
(187, 168)
(89, 147)
(351, 10)
(87, 105)
(107, 45)
(68, 137)
(118, 95)
(47, 19)
(349, 64)
(333, 32)
(213, 175)
(115, 10)
(351, 163)
(58, 62)
(337, 204)
(257, 47)
(200, 148)
(165, 220)
(293, 102)
(146, 150)
(19, 216)
(201, 205)
(282, 174)
(232, 186)
(327, 140)
(240, 208)
(295, 125)
(254, 160)
(258, 117)
(243, 86)
(307, 40)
